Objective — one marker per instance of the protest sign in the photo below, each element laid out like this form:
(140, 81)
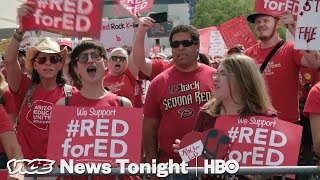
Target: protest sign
(117, 33)
(216, 46)
(307, 34)
(261, 141)
(95, 134)
(276, 7)
(123, 7)
(237, 31)
(196, 146)
(70, 18)
(205, 34)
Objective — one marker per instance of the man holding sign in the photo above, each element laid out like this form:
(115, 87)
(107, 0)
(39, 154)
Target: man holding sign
(282, 69)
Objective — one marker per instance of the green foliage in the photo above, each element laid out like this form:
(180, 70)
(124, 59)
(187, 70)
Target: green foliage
(215, 12)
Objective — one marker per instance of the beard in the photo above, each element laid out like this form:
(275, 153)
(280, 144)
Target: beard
(273, 32)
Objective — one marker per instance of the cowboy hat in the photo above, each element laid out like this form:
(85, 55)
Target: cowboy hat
(45, 45)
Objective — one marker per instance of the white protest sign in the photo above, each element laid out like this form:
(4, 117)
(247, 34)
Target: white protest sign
(216, 45)
(117, 33)
(307, 34)
(192, 151)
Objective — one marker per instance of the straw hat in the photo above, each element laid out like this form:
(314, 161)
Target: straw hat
(45, 45)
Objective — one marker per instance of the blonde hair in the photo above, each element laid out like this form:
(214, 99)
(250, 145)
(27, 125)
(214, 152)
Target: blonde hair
(253, 90)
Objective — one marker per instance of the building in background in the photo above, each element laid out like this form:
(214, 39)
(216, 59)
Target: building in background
(179, 12)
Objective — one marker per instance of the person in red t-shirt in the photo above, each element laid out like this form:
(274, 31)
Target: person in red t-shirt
(282, 71)
(151, 67)
(312, 110)
(122, 76)
(88, 62)
(175, 96)
(239, 90)
(35, 96)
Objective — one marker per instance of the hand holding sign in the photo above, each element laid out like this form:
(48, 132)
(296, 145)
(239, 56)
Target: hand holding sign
(26, 9)
(70, 18)
(211, 144)
(287, 19)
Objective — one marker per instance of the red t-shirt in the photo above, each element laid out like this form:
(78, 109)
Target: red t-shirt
(158, 66)
(282, 78)
(313, 101)
(33, 126)
(10, 104)
(175, 97)
(109, 99)
(125, 85)
(5, 124)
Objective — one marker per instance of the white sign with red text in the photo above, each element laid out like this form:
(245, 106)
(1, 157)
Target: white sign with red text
(308, 28)
(117, 33)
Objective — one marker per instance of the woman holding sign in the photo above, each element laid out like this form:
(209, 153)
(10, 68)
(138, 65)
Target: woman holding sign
(35, 96)
(239, 90)
(87, 68)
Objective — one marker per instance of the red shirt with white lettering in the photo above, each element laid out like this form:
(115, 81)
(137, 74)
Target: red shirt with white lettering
(34, 122)
(174, 98)
(282, 78)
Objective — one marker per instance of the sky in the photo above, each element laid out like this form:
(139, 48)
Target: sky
(8, 11)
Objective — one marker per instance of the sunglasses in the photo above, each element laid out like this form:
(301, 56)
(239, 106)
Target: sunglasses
(43, 59)
(185, 43)
(120, 58)
(84, 58)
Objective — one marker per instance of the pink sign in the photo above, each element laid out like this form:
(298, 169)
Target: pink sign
(237, 31)
(261, 141)
(68, 17)
(205, 38)
(131, 6)
(276, 7)
(95, 134)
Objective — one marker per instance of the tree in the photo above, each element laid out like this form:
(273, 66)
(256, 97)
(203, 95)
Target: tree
(215, 12)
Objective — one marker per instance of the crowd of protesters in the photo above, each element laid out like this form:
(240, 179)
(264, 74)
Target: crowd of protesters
(52, 72)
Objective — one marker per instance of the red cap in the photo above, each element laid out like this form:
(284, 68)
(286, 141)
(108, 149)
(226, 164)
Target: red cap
(64, 42)
(252, 17)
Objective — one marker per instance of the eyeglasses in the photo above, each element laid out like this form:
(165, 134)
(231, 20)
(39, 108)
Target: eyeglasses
(43, 59)
(83, 58)
(185, 43)
(120, 58)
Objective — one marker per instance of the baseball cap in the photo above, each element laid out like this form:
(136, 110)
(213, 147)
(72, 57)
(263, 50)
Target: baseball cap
(64, 42)
(252, 17)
